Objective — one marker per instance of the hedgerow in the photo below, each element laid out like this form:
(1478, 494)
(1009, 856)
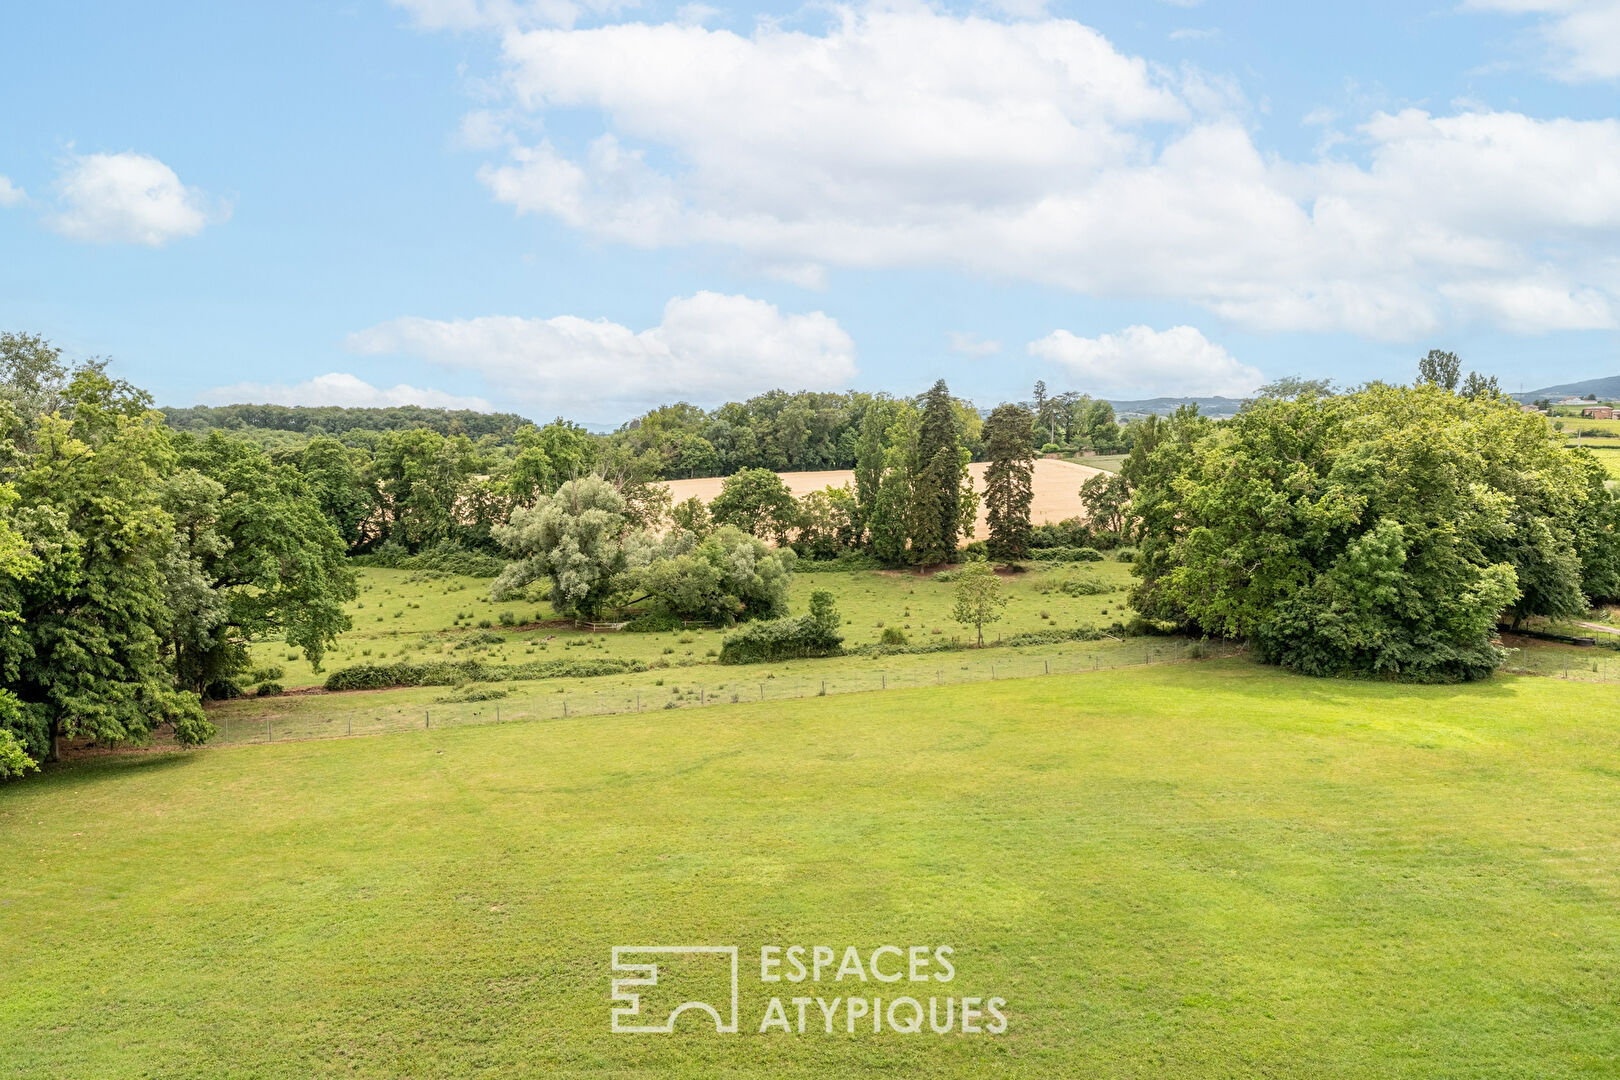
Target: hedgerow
(457, 672)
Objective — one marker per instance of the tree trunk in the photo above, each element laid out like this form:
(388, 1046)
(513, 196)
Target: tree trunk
(56, 742)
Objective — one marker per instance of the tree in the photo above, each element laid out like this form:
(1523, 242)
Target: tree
(693, 516)
(936, 487)
(1440, 368)
(870, 460)
(254, 535)
(826, 523)
(1106, 497)
(1292, 386)
(1045, 411)
(978, 597)
(1382, 532)
(575, 539)
(1480, 386)
(339, 490)
(85, 656)
(1009, 481)
(728, 577)
(758, 502)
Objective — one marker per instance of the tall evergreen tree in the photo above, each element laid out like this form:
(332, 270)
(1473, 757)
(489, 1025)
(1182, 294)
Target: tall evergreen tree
(1009, 482)
(936, 488)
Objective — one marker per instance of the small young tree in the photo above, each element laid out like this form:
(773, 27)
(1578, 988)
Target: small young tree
(1009, 482)
(978, 597)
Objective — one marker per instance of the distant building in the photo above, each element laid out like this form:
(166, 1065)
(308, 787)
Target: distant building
(1572, 401)
(1598, 412)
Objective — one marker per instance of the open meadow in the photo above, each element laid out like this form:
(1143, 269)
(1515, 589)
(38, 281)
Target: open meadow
(1183, 870)
(422, 615)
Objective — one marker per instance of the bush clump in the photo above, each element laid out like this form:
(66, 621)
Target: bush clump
(893, 635)
(815, 634)
(446, 558)
(267, 674)
(654, 622)
(269, 689)
(471, 693)
(458, 672)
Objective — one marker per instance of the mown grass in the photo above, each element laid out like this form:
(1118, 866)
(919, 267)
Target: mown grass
(1177, 871)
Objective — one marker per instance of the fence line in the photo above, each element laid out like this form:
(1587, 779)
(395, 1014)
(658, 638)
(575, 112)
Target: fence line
(697, 687)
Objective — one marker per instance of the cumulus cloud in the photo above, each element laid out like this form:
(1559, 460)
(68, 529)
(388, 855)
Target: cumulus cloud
(10, 194)
(707, 348)
(1036, 150)
(129, 198)
(1140, 362)
(338, 388)
(1582, 36)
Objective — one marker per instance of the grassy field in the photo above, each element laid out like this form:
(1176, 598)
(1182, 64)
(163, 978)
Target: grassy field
(1185, 870)
(414, 615)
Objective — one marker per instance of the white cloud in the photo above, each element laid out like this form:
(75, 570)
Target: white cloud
(910, 136)
(505, 14)
(707, 348)
(1193, 33)
(1582, 36)
(967, 343)
(1140, 362)
(338, 388)
(129, 198)
(10, 194)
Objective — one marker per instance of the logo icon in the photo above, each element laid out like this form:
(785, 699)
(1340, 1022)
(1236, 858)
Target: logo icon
(686, 968)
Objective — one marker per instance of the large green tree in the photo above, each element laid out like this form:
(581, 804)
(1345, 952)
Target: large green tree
(758, 502)
(1382, 531)
(1009, 481)
(726, 577)
(85, 656)
(575, 539)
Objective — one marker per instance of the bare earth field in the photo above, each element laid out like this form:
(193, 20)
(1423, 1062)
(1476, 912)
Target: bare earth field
(1057, 488)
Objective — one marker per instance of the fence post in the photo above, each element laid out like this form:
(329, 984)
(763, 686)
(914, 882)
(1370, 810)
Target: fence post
(267, 736)
(1048, 664)
(762, 691)
(638, 700)
(823, 687)
(497, 714)
(700, 696)
(883, 681)
(427, 719)
(565, 706)
(992, 673)
(351, 726)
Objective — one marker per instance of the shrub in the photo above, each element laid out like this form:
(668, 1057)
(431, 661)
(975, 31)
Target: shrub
(506, 618)
(447, 557)
(893, 636)
(1054, 637)
(484, 624)
(1125, 555)
(471, 693)
(815, 634)
(267, 674)
(457, 672)
(269, 689)
(1083, 587)
(654, 622)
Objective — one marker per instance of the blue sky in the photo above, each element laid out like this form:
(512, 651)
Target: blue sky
(587, 206)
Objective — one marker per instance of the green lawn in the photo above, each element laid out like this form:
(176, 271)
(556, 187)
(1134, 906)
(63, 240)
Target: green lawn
(1188, 870)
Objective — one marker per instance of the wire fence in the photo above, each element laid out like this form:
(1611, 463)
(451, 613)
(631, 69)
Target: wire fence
(361, 713)
(1594, 665)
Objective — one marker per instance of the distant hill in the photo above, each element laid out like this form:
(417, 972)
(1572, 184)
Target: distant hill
(1216, 407)
(294, 423)
(1604, 389)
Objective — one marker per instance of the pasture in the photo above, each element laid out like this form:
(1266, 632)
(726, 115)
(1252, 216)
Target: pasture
(1178, 871)
(404, 614)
